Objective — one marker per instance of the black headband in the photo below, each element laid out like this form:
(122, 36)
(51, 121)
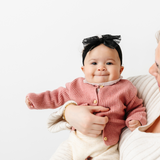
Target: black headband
(108, 40)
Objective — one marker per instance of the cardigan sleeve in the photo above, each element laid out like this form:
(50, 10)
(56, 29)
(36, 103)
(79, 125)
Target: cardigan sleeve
(49, 99)
(135, 109)
(55, 121)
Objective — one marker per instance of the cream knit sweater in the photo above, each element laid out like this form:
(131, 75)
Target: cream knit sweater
(139, 145)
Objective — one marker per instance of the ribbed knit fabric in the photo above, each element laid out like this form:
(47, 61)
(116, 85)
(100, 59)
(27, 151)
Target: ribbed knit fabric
(139, 145)
(79, 147)
(55, 121)
(121, 98)
(63, 152)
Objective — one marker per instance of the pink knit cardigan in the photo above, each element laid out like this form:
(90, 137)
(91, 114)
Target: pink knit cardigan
(121, 98)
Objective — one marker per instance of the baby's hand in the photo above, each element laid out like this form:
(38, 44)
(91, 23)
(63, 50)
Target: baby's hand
(29, 103)
(133, 124)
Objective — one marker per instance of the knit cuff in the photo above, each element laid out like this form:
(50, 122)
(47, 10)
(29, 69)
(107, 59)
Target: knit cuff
(55, 121)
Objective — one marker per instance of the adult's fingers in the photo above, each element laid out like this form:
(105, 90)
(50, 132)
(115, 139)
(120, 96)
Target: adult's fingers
(98, 109)
(97, 127)
(94, 133)
(100, 120)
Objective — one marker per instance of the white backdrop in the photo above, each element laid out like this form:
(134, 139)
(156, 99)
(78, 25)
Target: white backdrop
(40, 44)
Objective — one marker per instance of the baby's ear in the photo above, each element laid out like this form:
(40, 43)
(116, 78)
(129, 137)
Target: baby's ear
(82, 68)
(121, 69)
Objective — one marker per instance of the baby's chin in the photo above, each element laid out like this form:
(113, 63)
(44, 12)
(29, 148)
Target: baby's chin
(100, 80)
(103, 79)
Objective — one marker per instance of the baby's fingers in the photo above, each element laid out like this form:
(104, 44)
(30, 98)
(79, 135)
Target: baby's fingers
(133, 124)
(132, 128)
(29, 103)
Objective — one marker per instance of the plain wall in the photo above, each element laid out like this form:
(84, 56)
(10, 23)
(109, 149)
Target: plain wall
(40, 48)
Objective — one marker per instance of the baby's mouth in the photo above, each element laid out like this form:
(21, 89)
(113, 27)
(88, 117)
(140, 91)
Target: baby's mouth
(102, 75)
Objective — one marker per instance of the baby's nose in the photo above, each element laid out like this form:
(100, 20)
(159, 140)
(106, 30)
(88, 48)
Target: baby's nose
(153, 70)
(102, 68)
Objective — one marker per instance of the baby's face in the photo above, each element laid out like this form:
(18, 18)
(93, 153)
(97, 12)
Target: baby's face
(102, 64)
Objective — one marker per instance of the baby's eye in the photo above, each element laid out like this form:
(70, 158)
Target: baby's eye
(109, 63)
(94, 63)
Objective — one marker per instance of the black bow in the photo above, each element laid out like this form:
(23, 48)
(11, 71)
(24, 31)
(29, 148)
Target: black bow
(107, 40)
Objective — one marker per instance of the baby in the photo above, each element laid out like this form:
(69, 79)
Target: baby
(102, 86)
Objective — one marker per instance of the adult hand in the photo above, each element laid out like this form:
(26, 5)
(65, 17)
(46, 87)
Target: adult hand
(83, 119)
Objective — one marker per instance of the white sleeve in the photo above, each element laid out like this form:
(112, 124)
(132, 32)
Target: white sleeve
(55, 121)
(139, 145)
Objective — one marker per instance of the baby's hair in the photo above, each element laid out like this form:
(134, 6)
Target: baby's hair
(158, 36)
(108, 40)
